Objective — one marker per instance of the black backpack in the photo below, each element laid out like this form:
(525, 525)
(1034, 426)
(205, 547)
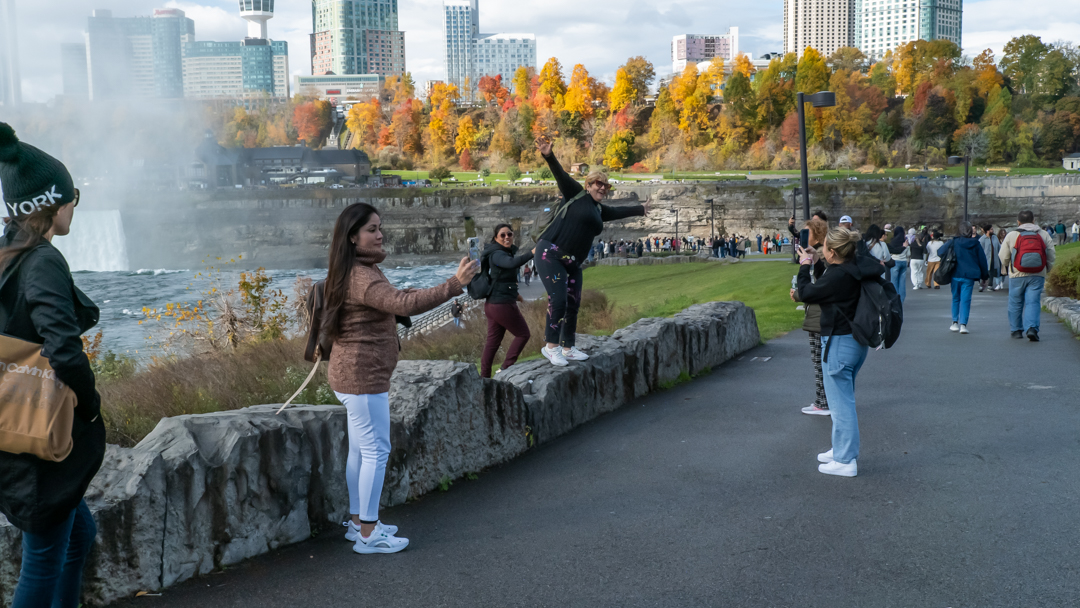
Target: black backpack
(879, 315)
(552, 214)
(481, 285)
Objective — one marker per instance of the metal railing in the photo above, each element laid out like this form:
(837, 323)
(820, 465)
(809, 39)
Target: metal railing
(438, 317)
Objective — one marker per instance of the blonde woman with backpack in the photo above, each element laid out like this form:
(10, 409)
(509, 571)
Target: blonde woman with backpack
(359, 318)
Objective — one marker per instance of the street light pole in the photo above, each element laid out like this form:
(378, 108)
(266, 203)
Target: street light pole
(821, 99)
(712, 207)
(966, 159)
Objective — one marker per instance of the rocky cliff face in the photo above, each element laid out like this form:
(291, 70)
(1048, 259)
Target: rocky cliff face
(206, 491)
(292, 228)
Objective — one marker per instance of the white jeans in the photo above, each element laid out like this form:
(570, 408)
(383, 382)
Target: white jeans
(918, 273)
(369, 449)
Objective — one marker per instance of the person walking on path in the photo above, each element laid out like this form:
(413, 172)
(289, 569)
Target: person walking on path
(456, 310)
(837, 292)
(917, 259)
(1075, 231)
(878, 250)
(561, 249)
(359, 318)
(991, 246)
(970, 267)
(812, 323)
(501, 307)
(41, 304)
(933, 258)
(1060, 230)
(1028, 253)
(899, 250)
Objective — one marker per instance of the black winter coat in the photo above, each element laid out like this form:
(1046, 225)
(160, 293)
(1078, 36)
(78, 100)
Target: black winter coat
(837, 291)
(503, 264)
(39, 303)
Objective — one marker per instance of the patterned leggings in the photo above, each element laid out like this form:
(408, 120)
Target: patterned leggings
(561, 276)
(819, 381)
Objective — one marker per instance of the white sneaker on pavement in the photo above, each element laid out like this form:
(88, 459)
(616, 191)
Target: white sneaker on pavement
(574, 354)
(954, 327)
(555, 355)
(825, 456)
(963, 329)
(839, 469)
(380, 541)
(814, 410)
(353, 531)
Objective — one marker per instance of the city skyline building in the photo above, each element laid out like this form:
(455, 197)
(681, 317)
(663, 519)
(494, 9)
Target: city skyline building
(825, 25)
(136, 56)
(694, 48)
(882, 25)
(10, 77)
(357, 37)
(73, 70)
(471, 55)
(257, 13)
(244, 69)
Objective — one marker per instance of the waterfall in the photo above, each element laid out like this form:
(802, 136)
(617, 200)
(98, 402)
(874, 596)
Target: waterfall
(96, 242)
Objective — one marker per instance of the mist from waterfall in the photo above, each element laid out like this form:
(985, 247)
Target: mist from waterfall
(96, 242)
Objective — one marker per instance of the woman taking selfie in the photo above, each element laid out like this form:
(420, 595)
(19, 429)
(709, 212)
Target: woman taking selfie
(563, 247)
(837, 292)
(359, 317)
(501, 307)
(39, 303)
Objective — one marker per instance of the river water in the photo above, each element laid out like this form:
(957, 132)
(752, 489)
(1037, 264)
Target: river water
(121, 295)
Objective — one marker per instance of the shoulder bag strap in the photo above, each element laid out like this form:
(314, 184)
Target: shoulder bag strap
(314, 368)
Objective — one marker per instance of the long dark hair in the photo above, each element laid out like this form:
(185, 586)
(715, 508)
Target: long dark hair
(342, 259)
(495, 235)
(29, 232)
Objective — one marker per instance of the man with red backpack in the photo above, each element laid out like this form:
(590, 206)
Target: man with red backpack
(1028, 253)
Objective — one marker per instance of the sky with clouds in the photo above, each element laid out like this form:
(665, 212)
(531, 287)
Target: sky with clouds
(600, 34)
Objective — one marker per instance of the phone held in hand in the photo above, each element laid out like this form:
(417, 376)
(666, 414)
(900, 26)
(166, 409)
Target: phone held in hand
(474, 248)
(804, 238)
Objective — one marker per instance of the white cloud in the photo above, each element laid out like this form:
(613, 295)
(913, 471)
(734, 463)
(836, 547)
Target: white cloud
(601, 34)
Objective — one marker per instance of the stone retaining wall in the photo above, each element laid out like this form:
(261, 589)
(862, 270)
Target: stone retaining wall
(649, 260)
(207, 491)
(1067, 309)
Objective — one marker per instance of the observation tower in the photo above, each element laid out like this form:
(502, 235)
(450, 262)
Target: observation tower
(257, 13)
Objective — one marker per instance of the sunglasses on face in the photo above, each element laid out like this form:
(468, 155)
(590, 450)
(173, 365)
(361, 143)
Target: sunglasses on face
(506, 235)
(75, 203)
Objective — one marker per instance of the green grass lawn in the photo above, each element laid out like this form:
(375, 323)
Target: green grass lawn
(1066, 252)
(662, 291)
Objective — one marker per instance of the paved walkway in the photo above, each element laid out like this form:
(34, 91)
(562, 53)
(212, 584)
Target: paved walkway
(708, 495)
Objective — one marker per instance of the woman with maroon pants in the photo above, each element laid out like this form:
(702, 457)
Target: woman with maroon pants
(501, 307)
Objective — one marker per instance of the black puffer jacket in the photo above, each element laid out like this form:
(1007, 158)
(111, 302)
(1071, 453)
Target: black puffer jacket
(837, 291)
(503, 264)
(39, 303)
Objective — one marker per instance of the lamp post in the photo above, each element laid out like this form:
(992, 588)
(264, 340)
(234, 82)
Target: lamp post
(712, 208)
(821, 99)
(966, 159)
(676, 212)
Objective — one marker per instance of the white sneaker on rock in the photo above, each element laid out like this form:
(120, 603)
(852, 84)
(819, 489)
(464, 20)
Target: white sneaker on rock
(555, 355)
(380, 541)
(353, 530)
(954, 327)
(825, 456)
(839, 469)
(574, 354)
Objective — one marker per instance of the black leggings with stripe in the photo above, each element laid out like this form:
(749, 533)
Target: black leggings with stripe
(561, 275)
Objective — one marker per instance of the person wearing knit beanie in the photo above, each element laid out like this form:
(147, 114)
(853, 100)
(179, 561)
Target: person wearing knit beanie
(43, 306)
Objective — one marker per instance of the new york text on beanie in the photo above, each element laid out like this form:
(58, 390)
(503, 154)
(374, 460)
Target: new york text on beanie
(31, 179)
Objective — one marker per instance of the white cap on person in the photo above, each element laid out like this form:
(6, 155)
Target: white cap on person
(846, 220)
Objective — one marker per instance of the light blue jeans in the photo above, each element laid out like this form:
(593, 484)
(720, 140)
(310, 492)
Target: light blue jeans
(961, 299)
(1025, 305)
(845, 358)
(898, 278)
(52, 566)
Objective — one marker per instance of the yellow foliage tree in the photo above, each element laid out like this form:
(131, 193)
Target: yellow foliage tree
(712, 78)
(466, 134)
(684, 85)
(578, 98)
(623, 93)
(551, 79)
(364, 121)
(743, 66)
(522, 84)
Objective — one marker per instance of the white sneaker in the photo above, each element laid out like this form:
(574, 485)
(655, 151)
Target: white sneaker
(555, 355)
(850, 469)
(574, 354)
(963, 329)
(814, 410)
(954, 327)
(825, 456)
(353, 530)
(380, 541)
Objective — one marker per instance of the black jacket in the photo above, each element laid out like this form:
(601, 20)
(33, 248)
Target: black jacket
(584, 219)
(837, 291)
(503, 265)
(39, 303)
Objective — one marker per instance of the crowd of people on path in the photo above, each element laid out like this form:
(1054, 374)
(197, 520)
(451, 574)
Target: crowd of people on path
(359, 309)
(836, 265)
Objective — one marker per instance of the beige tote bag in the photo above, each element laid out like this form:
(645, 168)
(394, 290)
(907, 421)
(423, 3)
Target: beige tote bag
(36, 409)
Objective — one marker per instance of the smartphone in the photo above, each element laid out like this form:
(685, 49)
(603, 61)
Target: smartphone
(474, 249)
(804, 238)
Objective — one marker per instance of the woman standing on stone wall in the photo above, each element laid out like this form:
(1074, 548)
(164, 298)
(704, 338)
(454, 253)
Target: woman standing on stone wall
(563, 247)
(359, 317)
(39, 303)
(501, 307)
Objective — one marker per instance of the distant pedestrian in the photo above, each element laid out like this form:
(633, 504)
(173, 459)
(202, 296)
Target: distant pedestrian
(759, 243)
(501, 307)
(1029, 254)
(359, 318)
(456, 311)
(917, 260)
(1075, 231)
(970, 267)
(527, 272)
(933, 258)
(812, 321)
(877, 249)
(837, 291)
(991, 246)
(899, 251)
(1059, 229)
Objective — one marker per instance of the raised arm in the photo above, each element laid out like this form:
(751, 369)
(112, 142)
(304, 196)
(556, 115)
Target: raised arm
(381, 295)
(568, 186)
(610, 214)
(509, 262)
